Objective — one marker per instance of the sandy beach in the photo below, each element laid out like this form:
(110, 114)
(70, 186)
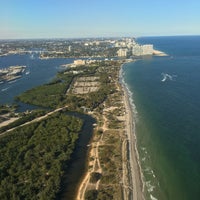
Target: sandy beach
(135, 173)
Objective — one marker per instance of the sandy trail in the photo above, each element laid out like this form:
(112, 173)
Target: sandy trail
(35, 120)
(5, 123)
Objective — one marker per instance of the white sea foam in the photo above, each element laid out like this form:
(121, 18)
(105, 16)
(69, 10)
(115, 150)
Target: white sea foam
(152, 172)
(152, 197)
(143, 148)
(32, 57)
(13, 81)
(147, 169)
(168, 77)
(149, 186)
(5, 89)
(130, 94)
(143, 159)
(28, 72)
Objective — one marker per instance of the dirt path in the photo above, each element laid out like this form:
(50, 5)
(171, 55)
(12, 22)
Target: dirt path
(36, 119)
(5, 123)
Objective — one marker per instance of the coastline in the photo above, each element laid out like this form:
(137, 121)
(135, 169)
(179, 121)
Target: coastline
(130, 183)
(134, 171)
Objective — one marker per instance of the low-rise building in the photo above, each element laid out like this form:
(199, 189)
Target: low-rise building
(79, 62)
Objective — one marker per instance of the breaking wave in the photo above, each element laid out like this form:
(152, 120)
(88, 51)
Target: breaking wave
(167, 77)
(152, 197)
(5, 89)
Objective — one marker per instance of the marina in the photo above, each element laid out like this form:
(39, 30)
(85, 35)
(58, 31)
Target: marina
(11, 73)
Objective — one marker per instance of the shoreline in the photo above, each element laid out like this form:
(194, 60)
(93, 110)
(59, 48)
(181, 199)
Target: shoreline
(135, 171)
(131, 183)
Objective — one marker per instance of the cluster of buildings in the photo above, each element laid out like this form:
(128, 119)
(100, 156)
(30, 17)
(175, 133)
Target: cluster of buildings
(77, 48)
(128, 47)
(121, 47)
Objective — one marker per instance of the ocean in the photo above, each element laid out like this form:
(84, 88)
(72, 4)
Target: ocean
(166, 94)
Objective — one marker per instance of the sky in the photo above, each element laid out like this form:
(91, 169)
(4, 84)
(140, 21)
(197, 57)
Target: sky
(98, 18)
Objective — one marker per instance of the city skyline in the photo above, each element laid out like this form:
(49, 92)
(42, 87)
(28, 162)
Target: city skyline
(77, 19)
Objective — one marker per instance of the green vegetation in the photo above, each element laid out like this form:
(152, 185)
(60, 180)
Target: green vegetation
(107, 193)
(54, 94)
(111, 158)
(5, 109)
(23, 119)
(95, 176)
(33, 158)
(48, 95)
(91, 194)
(102, 194)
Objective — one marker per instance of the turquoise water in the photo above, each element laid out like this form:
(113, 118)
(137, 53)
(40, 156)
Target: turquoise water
(166, 92)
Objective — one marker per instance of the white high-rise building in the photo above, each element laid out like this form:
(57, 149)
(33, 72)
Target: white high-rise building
(141, 50)
(122, 52)
(147, 49)
(137, 50)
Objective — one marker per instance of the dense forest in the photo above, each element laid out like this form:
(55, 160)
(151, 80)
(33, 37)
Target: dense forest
(47, 95)
(34, 157)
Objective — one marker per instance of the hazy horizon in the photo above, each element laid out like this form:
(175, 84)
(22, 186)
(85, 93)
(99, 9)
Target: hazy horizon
(97, 37)
(26, 19)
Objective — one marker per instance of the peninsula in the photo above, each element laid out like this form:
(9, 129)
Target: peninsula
(91, 88)
(112, 170)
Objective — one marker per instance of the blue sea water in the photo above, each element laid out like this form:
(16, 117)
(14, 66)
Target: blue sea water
(166, 93)
(37, 73)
